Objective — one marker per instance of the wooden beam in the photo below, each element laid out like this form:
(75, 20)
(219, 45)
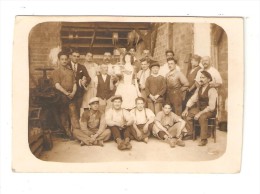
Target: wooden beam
(67, 29)
(88, 45)
(90, 37)
(80, 37)
(93, 37)
(119, 25)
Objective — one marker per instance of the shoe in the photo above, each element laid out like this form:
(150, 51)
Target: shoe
(180, 143)
(100, 143)
(187, 137)
(82, 143)
(172, 142)
(121, 145)
(145, 140)
(128, 145)
(203, 142)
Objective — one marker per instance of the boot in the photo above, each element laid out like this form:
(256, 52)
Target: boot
(203, 142)
(127, 144)
(180, 143)
(120, 144)
(171, 141)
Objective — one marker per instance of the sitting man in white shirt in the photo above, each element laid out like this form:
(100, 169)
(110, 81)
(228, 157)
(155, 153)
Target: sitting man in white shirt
(164, 69)
(143, 121)
(207, 66)
(119, 121)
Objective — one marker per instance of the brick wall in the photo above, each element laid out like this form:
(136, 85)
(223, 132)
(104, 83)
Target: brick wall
(179, 38)
(43, 37)
(183, 43)
(161, 43)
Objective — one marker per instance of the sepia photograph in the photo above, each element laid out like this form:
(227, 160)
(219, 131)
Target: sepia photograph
(130, 91)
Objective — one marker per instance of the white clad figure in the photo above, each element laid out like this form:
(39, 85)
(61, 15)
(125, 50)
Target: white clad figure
(127, 86)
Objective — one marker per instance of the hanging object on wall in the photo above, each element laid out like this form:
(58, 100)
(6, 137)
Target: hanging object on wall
(70, 36)
(53, 55)
(115, 38)
(133, 38)
(130, 38)
(76, 35)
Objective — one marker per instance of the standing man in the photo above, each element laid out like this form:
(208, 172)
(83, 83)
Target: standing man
(164, 69)
(64, 82)
(206, 99)
(143, 121)
(104, 87)
(207, 66)
(93, 70)
(107, 61)
(119, 121)
(93, 126)
(142, 75)
(176, 85)
(82, 79)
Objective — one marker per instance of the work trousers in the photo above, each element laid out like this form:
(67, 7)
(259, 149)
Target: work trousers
(203, 122)
(85, 135)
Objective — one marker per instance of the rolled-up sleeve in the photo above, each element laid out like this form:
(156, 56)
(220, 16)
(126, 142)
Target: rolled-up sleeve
(193, 99)
(213, 95)
(56, 77)
(108, 117)
(184, 81)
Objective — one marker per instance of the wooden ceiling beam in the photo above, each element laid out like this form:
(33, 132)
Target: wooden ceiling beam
(110, 25)
(90, 37)
(88, 45)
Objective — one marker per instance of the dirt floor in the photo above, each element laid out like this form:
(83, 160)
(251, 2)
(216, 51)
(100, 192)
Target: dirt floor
(156, 150)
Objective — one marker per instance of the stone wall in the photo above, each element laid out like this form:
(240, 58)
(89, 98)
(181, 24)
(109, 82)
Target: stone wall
(43, 37)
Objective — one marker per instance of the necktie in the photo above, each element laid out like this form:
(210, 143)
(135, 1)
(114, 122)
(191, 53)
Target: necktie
(143, 79)
(75, 68)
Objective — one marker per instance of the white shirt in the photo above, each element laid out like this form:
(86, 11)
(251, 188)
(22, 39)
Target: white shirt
(216, 78)
(212, 94)
(142, 75)
(104, 77)
(121, 116)
(164, 69)
(74, 66)
(141, 117)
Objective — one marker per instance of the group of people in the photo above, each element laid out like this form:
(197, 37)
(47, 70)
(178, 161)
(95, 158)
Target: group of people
(135, 99)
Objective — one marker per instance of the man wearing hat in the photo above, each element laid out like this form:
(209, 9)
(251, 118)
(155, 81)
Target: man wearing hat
(119, 122)
(93, 126)
(206, 99)
(155, 87)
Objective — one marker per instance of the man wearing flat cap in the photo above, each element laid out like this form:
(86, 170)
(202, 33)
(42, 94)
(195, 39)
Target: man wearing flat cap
(206, 99)
(93, 126)
(155, 87)
(119, 122)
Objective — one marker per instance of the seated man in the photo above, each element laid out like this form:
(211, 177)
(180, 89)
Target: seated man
(206, 99)
(143, 120)
(168, 125)
(93, 127)
(119, 121)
